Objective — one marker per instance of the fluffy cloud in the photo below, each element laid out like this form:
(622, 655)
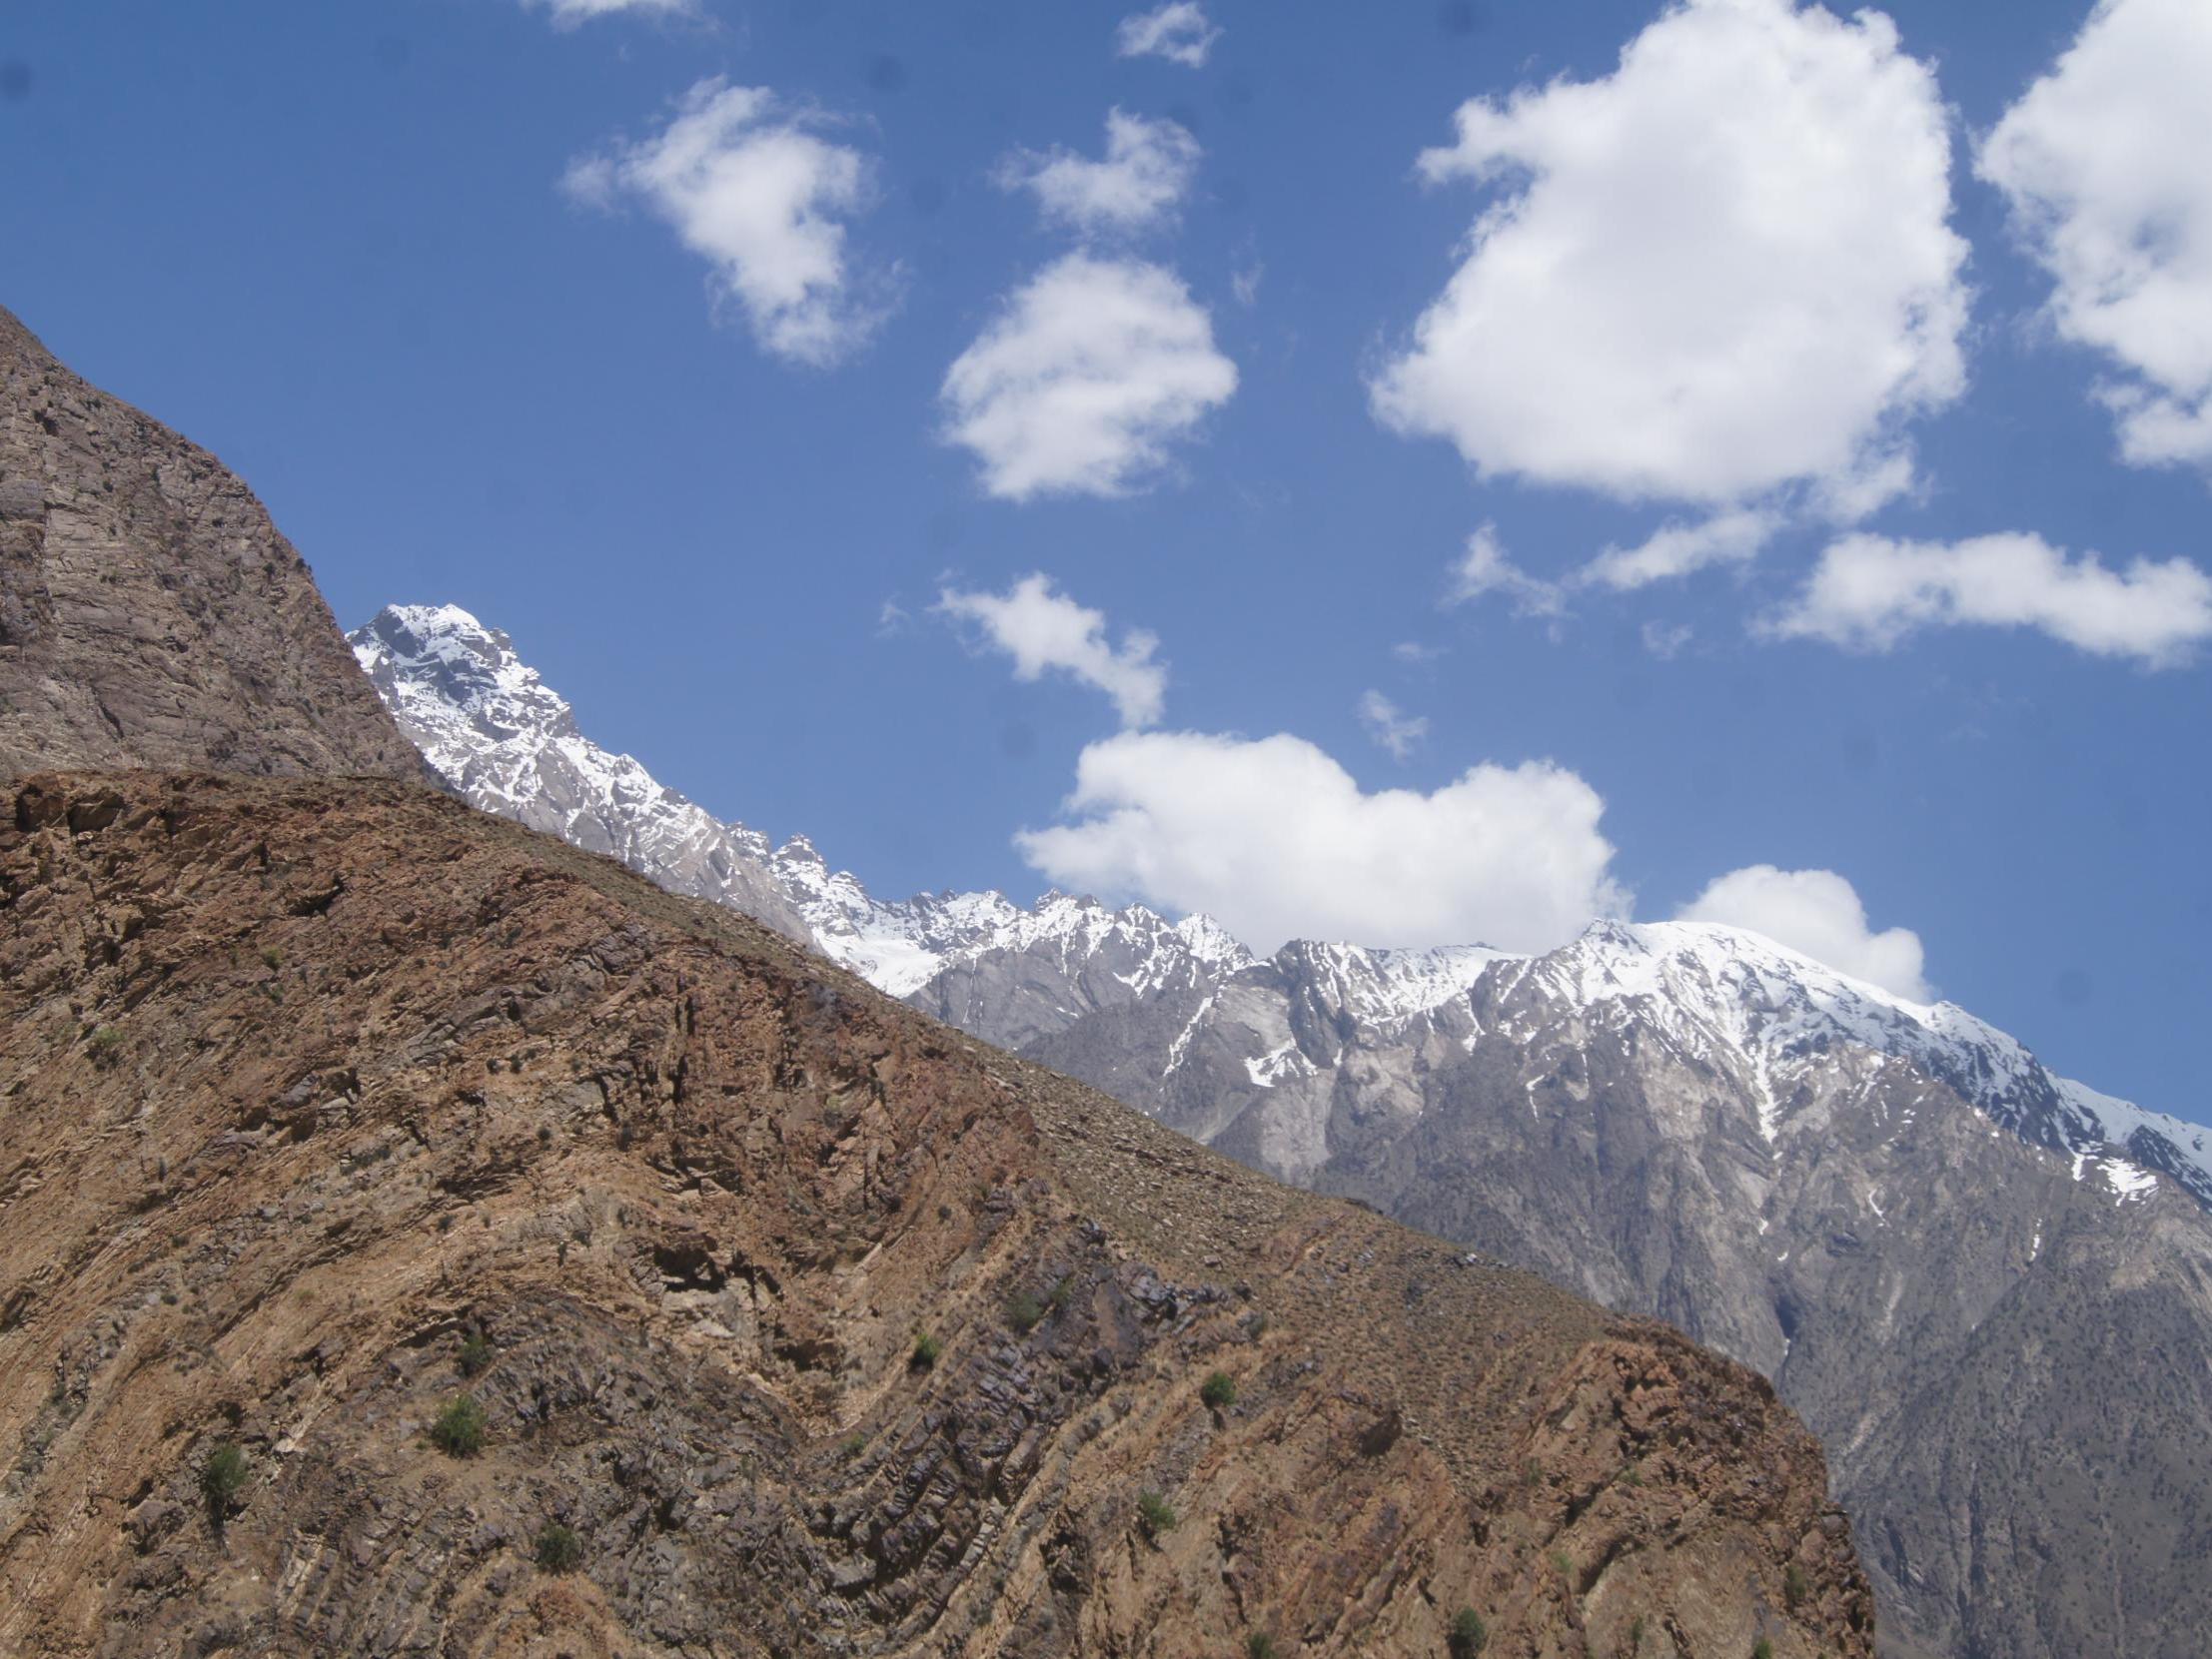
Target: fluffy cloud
(2107, 162)
(1147, 170)
(1042, 629)
(1675, 549)
(747, 183)
(1081, 384)
(1276, 840)
(1868, 592)
(1393, 729)
(1177, 32)
(1485, 569)
(568, 14)
(1660, 304)
(1819, 913)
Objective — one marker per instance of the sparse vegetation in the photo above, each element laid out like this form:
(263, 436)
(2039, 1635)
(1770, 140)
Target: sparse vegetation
(1155, 1512)
(1562, 1563)
(105, 1045)
(558, 1548)
(1023, 1311)
(1763, 1649)
(1636, 1634)
(853, 1446)
(1794, 1586)
(270, 960)
(1219, 1390)
(458, 1431)
(475, 1353)
(1259, 1645)
(927, 1348)
(1632, 1476)
(1469, 1634)
(1062, 1290)
(223, 1478)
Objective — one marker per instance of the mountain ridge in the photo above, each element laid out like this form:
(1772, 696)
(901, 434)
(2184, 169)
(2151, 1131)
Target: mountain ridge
(1944, 1252)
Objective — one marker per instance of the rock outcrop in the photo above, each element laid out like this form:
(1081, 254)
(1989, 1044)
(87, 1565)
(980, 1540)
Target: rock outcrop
(150, 613)
(788, 1320)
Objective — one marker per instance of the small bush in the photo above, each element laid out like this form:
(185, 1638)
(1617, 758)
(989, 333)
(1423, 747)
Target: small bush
(853, 1446)
(1763, 1649)
(1794, 1586)
(1063, 1290)
(559, 1549)
(1469, 1634)
(1023, 1311)
(475, 1353)
(1219, 1390)
(1636, 1633)
(270, 960)
(1157, 1514)
(221, 1483)
(1260, 1645)
(105, 1045)
(459, 1429)
(927, 1348)
(1562, 1563)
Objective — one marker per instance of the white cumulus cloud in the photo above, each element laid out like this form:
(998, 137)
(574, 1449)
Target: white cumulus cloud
(568, 14)
(1393, 731)
(1042, 629)
(1724, 271)
(1817, 913)
(1868, 591)
(1276, 840)
(1178, 32)
(1084, 380)
(2107, 163)
(1148, 168)
(1676, 549)
(750, 184)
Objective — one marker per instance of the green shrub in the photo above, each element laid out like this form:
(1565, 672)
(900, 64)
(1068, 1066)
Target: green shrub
(1469, 1634)
(1023, 1311)
(558, 1548)
(1157, 1514)
(1260, 1645)
(105, 1045)
(1219, 1390)
(1794, 1586)
(1763, 1649)
(927, 1351)
(459, 1429)
(1562, 1563)
(475, 1353)
(1063, 1290)
(853, 1446)
(1636, 1634)
(270, 960)
(222, 1480)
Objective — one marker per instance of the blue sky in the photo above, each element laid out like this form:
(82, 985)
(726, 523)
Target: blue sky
(402, 265)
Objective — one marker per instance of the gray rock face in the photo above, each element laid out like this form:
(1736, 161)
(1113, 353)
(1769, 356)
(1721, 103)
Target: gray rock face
(505, 741)
(1960, 1270)
(150, 613)
(1987, 1289)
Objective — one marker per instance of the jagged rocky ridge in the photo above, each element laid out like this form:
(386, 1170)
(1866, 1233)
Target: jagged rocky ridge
(424, 1236)
(1988, 1287)
(125, 554)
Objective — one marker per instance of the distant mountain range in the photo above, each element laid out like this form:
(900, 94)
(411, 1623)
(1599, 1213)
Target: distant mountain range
(1988, 1289)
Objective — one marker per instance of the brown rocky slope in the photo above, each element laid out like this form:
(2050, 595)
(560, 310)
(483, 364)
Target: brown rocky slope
(150, 613)
(314, 1096)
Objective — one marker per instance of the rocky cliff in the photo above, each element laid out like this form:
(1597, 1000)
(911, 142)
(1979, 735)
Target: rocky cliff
(150, 613)
(427, 1238)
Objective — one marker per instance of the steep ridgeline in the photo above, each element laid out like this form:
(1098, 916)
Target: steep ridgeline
(506, 742)
(1987, 1287)
(150, 613)
(428, 1237)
